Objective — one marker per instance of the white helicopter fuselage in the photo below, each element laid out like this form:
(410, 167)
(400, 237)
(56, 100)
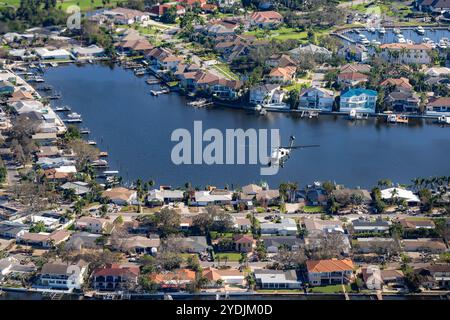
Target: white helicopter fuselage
(278, 155)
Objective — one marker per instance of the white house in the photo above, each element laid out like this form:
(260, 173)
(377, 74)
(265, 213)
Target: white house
(204, 198)
(401, 194)
(286, 227)
(360, 100)
(267, 94)
(87, 52)
(406, 53)
(58, 54)
(60, 275)
(317, 99)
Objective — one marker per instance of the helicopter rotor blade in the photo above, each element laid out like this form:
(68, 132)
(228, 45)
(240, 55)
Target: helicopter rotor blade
(302, 147)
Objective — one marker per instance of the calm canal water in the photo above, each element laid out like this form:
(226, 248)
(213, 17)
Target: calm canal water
(135, 128)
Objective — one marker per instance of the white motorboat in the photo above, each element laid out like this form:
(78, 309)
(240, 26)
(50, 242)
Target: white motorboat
(375, 42)
(444, 119)
(420, 30)
(74, 115)
(397, 31)
(382, 30)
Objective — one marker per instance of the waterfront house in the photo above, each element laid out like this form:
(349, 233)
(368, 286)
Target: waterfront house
(243, 242)
(273, 244)
(178, 279)
(361, 100)
(440, 274)
(94, 225)
(329, 271)
(375, 279)
(57, 54)
(353, 52)
(90, 52)
(114, 277)
(351, 79)
(223, 276)
(20, 95)
(415, 224)
(6, 88)
(268, 197)
(424, 245)
(319, 53)
(406, 53)
(267, 94)
(226, 89)
(435, 6)
(403, 100)
(164, 196)
(44, 138)
(121, 195)
(204, 198)
(126, 16)
(345, 196)
(286, 227)
(282, 75)
(277, 279)
(251, 189)
(62, 275)
(315, 98)
(266, 19)
(439, 106)
(390, 194)
(377, 225)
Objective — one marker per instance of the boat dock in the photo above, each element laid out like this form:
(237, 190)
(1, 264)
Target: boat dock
(158, 92)
(200, 103)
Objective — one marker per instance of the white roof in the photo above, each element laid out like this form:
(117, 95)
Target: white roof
(93, 49)
(66, 169)
(206, 196)
(45, 53)
(399, 193)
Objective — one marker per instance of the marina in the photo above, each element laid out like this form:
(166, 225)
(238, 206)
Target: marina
(124, 126)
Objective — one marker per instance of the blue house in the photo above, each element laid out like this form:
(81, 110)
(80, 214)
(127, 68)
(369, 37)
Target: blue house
(6, 88)
(361, 100)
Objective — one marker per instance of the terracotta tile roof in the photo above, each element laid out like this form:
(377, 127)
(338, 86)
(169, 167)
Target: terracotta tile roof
(329, 265)
(443, 101)
(266, 16)
(352, 76)
(400, 82)
(177, 275)
(286, 73)
(242, 238)
(407, 46)
(116, 270)
(119, 193)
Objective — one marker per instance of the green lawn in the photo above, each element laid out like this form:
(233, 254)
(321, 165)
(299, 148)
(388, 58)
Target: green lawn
(85, 5)
(226, 71)
(329, 289)
(232, 256)
(283, 33)
(313, 209)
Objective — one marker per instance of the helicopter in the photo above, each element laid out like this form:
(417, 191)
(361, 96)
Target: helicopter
(280, 155)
